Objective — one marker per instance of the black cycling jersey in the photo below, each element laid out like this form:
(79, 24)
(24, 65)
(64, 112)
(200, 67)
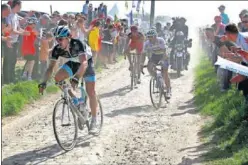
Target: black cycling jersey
(76, 48)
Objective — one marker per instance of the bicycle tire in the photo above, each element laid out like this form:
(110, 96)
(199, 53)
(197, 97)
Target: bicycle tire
(63, 101)
(152, 86)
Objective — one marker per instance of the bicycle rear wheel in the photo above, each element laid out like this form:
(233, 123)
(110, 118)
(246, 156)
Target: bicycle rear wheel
(67, 121)
(155, 91)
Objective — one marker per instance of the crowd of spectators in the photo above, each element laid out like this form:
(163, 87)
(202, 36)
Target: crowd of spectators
(30, 37)
(229, 41)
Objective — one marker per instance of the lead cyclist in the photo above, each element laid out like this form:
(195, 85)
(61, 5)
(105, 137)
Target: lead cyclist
(80, 65)
(156, 47)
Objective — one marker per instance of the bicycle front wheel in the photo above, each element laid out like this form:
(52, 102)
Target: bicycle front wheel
(65, 125)
(155, 93)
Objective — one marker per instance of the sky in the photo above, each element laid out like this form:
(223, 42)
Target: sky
(196, 12)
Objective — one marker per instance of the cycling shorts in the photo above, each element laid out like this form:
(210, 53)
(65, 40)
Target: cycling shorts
(156, 58)
(72, 67)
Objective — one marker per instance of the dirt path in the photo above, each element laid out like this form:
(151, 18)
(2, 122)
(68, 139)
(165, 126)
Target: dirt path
(133, 132)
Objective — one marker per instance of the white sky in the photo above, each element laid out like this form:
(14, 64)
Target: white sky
(196, 12)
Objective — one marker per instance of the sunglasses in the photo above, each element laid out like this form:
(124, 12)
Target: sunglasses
(60, 39)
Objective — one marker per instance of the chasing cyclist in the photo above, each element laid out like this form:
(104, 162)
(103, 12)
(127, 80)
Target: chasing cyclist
(80, 65)
(135, 41)
(155, 46)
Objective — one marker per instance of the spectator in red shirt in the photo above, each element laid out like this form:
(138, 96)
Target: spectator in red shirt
(28, 47)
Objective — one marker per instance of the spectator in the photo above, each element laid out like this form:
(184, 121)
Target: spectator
(71, 20)
(6, 28)
(90, 14)
(224, 16)
(241, 15)
(93, 40)
(105, 10)
(107, 45)
(245, 23)
(63, 22)
(218, 26)
(11, 53)
(28, 48)
(81, 31)
(65, 17)
(45, 49)
(233, 34)
(85, 8)
(95, 13)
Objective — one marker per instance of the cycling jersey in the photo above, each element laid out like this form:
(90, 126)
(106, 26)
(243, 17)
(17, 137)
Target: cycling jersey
(157, 48)
(136, 42)
(157, 51)
(76, 49)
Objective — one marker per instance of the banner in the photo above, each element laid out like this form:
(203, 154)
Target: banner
(232, 66)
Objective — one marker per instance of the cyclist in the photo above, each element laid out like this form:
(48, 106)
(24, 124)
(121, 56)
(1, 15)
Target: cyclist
(135, 41)
(80, 65)
(155, 46)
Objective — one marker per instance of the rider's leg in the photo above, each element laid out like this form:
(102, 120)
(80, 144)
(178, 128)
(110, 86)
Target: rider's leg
(166, 77)
(63, 73)
(150, 68)
(90, 89)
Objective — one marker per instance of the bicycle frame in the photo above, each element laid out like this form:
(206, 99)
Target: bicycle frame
(65, 88)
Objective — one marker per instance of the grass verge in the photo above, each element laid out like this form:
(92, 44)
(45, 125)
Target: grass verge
(227, 134)
(16, 96)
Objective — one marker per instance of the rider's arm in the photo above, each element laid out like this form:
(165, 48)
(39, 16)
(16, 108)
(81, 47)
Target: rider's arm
(53, 61)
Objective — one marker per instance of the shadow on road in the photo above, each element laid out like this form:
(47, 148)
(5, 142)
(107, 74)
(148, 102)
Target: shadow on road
(129, 110)
(199, 150)
(38, 156)
(119, 92)
(189, 107)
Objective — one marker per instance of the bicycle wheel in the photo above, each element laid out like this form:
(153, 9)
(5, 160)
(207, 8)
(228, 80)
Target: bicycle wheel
(99, 117)
(155, 91)
(68, 121)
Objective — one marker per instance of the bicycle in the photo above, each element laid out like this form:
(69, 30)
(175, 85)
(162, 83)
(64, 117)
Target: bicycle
(157, 86)
(81, 116)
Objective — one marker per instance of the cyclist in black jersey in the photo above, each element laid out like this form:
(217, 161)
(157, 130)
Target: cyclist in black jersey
(80, 65)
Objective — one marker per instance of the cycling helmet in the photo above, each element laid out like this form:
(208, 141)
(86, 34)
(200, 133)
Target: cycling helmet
(151, 33)
(61, 31)
(134, 28)
(32, 20)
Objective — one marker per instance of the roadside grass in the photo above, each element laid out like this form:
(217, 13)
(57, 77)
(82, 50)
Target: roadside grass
(16, 96)
(227, 134)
